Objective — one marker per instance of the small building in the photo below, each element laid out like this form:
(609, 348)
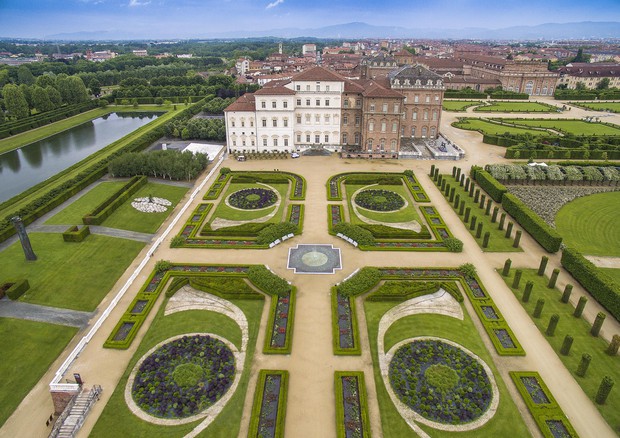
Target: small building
(588, 74)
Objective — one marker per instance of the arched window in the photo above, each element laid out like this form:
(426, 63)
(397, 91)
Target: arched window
(529, 87)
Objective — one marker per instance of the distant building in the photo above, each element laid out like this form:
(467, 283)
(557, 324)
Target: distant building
(588, 74)
(308, 49)
(140, 53)
(242, 65)
(100, 56)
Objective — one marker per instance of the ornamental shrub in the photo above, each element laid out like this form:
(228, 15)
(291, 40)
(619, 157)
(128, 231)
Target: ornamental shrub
(355, 232)
(583, 365)
(17, 289)
(275, 232)
(162, 266)
(603, 391)
(453, 244)
(176, 284)
(598, 323)
(267, 281)
(364, 280)
(468, 270)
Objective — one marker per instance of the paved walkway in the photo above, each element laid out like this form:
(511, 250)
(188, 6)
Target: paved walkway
(605, 262)
(35, 312)
(311, 402)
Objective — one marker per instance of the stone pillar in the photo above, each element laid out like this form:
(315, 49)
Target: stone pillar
(23, 237)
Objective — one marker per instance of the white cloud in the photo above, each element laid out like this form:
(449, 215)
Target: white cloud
(138, 3)
(274, 4)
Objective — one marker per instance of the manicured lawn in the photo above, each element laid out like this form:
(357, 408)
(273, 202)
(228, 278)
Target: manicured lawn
(498, 242)
(71, 275)
(601, 365)
(613, 273)
(614, 107)
(590, 224)
(128, 218)
(225, 212)
(485, 127)
(28, 349)
(459, 105)
(507, 420)
(516, 107)
(576, 127)
(72, 215)
(406, 214)
(163, 327)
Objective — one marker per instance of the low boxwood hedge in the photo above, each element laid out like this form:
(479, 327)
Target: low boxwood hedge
(259, 395)
(366, 179)
(355, 232)
(17, 289)
(250, 229)
(76, 234)
(176, 284)
(494, 188)
(386, 232)
(267, 281)
(542, 232)
(364, 280)
(225, 287)
(342, 429)
(600, 285)
(114, 201)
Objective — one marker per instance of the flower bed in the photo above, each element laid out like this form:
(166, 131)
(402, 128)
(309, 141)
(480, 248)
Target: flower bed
(269, 408)
(352, 419)
(279, 328)
(253, 199)
(151, 204)
(379, 200)
(344, 325)
(440, 381)
(184, 377)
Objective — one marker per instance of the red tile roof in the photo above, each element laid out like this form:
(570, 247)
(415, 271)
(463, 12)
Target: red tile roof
(244, 103)
(318, 73)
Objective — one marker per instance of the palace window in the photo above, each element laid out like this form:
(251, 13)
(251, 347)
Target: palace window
(394, 127)
(285, 104)
(274, 122)
(307, 102)
(425, 114)
(286, 123)
(264, 123)
(274, 105)
(344, 138)
(434, 114)
(307, 138)
(326, 138)
(357, 120)
(345, 119)
(383, 126)
(286, 142)
(326, 102)
(275, 142)
(414, 115)
(396, 108)
(317, 138)
(298, 102)
(385, 107)
(318, 102)
(372, 107)
(298, 118)
(357, 138)
(345, 103)
(264, 142)
(371, 126)
(263, 104)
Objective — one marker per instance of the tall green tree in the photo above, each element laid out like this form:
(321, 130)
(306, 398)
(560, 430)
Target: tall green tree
(95, 87)
(72, 89)
(4, 77)
(603, 84)
(15, 102)
(46, 80)
(24, 75)
(54, 96)
(41, 100)
(27, 92)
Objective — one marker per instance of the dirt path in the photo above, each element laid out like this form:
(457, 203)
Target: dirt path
(311, 402)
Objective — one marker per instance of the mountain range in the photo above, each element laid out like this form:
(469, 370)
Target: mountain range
(358, 30)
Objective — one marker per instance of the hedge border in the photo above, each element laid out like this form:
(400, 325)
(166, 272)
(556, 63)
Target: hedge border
(109, 205)
(76, 234)
(493, 187)
(356, 350)
(258, 401)
(17, 289)
(288, 344)
(363, 402)
(541, 412)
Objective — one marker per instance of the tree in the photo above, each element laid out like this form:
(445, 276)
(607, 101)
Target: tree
(15, 102)
(95, 87)
(41, 100)
(580, 56)
(46, 80)
(27, 92)
(72, 89)
(54, 96)
(24, 75)
(4, 77)
(580, 86)
(603, 84)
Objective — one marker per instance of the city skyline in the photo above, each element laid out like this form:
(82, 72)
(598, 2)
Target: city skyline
(193, 18)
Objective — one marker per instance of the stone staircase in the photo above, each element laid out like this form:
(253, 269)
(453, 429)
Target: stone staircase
(72, 418)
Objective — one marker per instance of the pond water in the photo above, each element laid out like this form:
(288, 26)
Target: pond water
(29, 165)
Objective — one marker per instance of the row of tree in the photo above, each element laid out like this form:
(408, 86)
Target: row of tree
(169, 164)
(197, 129)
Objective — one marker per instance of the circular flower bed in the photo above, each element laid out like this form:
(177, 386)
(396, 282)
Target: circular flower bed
(184, 377)
(441, 382)
(379, 200)
(151, 204)
(253, 199)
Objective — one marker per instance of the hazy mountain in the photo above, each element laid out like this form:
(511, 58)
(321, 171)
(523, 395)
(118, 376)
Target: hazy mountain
(357, 30)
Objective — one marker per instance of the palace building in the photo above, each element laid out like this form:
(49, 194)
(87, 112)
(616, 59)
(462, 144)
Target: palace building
(318, 108)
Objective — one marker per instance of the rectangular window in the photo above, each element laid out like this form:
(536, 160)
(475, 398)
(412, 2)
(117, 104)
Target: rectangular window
(326, 87)
(307, 87)
(318, 102)
(286, 123)
(285, 104)
(298, 118)
(252, 123)
(415, 115)
(344, 138)
(317, 119)
(274, 105)
(383, 126)
(274, 123)
(394, 127)
(428, 98)
(234, 142)
(308, 135)
(307, 118)
(298, 138)
(385, 107)
(345, 119)
(326, 102)
(253, 143)
(357, 138)
(396, 108)
(286, 142)
(318, 87)
(275, 142)
(372, 107)
(425, 114)
(307, 102)
(232, 123)
(345, 103)
(264, 123)
(436, 97)
(298, 87)
(416, 98)
(326, 119)
(265, 142)
(371, 126)
(357, 120)
(263, 104)
(317, 138)
(298, 102)
(243, 123)
(326, 138)
(358, 103)
(434, 114)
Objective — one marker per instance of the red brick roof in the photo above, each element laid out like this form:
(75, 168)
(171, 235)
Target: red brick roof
(244, 103)
(318, 73)
(375, 90)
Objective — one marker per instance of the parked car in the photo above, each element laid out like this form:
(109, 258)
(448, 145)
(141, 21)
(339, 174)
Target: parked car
(294, 155)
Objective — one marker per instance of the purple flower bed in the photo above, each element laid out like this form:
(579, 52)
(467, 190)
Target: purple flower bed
(430, 210)
(269, 406)
(537, 394)
(123, 331)
(475, 288)
(184, 377)
(196, 218)
(139, 306)
(443, 233)
(295, 214)
(504, 338)
(379, 200)
(336, 218)
(351, 407)
(489, 312)
(345, 325)
(280, 322)
(558, 429)
(333, 186)
(202, 208)
(440, 382)
(298, 187)
(253, 199)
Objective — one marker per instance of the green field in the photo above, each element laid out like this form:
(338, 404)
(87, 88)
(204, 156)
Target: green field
(516, 107)
(70, 275)
(406, 214)
(459, 105)
(575, 127)
(490, 128)
(28, 349)
(590, 224)
(163, 327)
(601, 365)
(507, 420)
(613, 107)
(128, 218)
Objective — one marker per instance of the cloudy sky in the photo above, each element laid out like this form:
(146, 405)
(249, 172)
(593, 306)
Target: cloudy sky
(185, 18)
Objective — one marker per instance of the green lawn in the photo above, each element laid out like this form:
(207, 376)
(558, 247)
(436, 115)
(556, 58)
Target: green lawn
(497, 241)
(459, 105)
(601, 365)
(72, 215)
(128, 218)
(163, 327)
(28, 349)
(406, 214)
(613, 273)
(485, 127)
(70, 275)
(225, 212)
(614, 107)
(516, 107)
(590, 224)
(575, 127)
(507, 420)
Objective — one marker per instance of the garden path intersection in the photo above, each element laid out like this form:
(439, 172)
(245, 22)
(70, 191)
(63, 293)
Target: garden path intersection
(311, 364)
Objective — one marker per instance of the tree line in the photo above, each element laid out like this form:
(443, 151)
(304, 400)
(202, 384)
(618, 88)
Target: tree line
(168, 164)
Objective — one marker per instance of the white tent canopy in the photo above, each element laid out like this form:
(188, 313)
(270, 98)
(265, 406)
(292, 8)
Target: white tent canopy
(212, 150)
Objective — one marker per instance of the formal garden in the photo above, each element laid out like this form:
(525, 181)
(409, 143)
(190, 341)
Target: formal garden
(515, 107)
(459, 105)
(248, 210)
(612, 107)
(387, 211)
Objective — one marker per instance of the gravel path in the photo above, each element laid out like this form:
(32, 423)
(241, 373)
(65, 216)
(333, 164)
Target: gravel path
(36, 312)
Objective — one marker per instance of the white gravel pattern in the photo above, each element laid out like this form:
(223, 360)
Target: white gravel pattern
(412, 225)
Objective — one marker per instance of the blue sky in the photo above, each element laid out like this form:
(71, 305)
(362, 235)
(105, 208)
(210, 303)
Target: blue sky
(184, 18)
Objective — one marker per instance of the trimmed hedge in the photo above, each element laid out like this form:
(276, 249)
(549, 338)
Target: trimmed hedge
(490, 185)
(600, 285)
(341, 427)
(243, 230)
(355, 232)
(387, 232)
(17, 289)
(404, 290)
(176, 284)
(383, 179)
(267, 281)
(258, 404)
(546, 236)
(364, 280)
(275, 231)
(224, 287)
(356, 349)
(75, 234)
(114, 201)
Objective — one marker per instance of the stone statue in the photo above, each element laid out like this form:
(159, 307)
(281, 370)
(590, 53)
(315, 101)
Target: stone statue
(23, 237)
